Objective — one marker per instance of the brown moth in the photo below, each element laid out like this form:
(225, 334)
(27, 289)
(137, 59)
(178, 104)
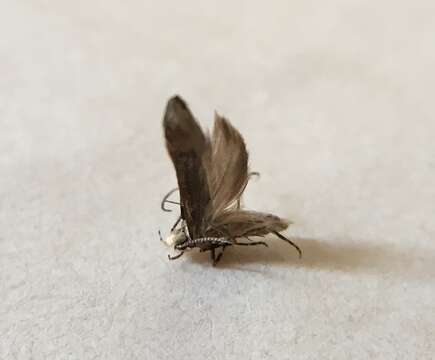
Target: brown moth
(212, 173)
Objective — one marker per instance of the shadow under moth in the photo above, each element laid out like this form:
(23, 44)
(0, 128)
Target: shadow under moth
(212, 173)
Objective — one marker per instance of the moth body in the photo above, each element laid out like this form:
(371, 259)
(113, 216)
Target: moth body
(204, 243)
(212, 174)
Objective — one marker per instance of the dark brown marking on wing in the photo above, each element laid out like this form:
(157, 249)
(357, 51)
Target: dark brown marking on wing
(186, 144)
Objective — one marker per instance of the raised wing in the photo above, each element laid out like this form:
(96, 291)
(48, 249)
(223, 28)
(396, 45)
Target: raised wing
(187, 144)
(227, 167)
(242, 223)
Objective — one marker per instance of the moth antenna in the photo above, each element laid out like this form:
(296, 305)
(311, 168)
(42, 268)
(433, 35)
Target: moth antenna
(290, 242)
(165, 200)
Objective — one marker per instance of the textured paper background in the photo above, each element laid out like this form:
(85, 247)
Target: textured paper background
(336, 102)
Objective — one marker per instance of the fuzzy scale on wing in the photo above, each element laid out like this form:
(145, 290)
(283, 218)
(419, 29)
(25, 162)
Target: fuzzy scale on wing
(244, 223)
(226, 164)
(186, 144)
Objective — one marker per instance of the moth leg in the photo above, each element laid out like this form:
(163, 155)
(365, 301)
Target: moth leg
(165, 200)
(176, 223)
(213, 256)
(220, 254)
(175, 256)
(253, 243)
(217, 258)
(290, 242)
(160, 235)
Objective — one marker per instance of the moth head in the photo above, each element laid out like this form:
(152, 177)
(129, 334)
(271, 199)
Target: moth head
(176, 237)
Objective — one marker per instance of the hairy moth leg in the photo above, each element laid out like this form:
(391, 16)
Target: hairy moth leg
(290, 242)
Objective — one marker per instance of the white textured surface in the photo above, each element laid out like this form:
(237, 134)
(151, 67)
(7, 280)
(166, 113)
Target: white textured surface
(336, 102)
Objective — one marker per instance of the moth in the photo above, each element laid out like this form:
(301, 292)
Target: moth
(212, 174)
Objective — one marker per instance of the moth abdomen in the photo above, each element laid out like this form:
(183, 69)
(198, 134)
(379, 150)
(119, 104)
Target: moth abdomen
(208, 241)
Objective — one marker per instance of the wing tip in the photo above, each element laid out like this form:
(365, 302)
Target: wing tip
(182, 132)
(174, 108)
(177, 100)
(177, 115)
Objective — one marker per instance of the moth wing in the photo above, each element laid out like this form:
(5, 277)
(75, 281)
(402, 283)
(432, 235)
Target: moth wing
(186, 145)
(244, 223)
(227, 167)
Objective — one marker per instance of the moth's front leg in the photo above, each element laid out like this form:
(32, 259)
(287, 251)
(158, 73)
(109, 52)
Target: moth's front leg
(176, 223)
(175, 256)
(165, 200)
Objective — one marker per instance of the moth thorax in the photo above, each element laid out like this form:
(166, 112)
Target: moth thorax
(176, 237)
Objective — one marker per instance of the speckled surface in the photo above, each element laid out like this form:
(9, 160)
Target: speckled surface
(335, 101)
